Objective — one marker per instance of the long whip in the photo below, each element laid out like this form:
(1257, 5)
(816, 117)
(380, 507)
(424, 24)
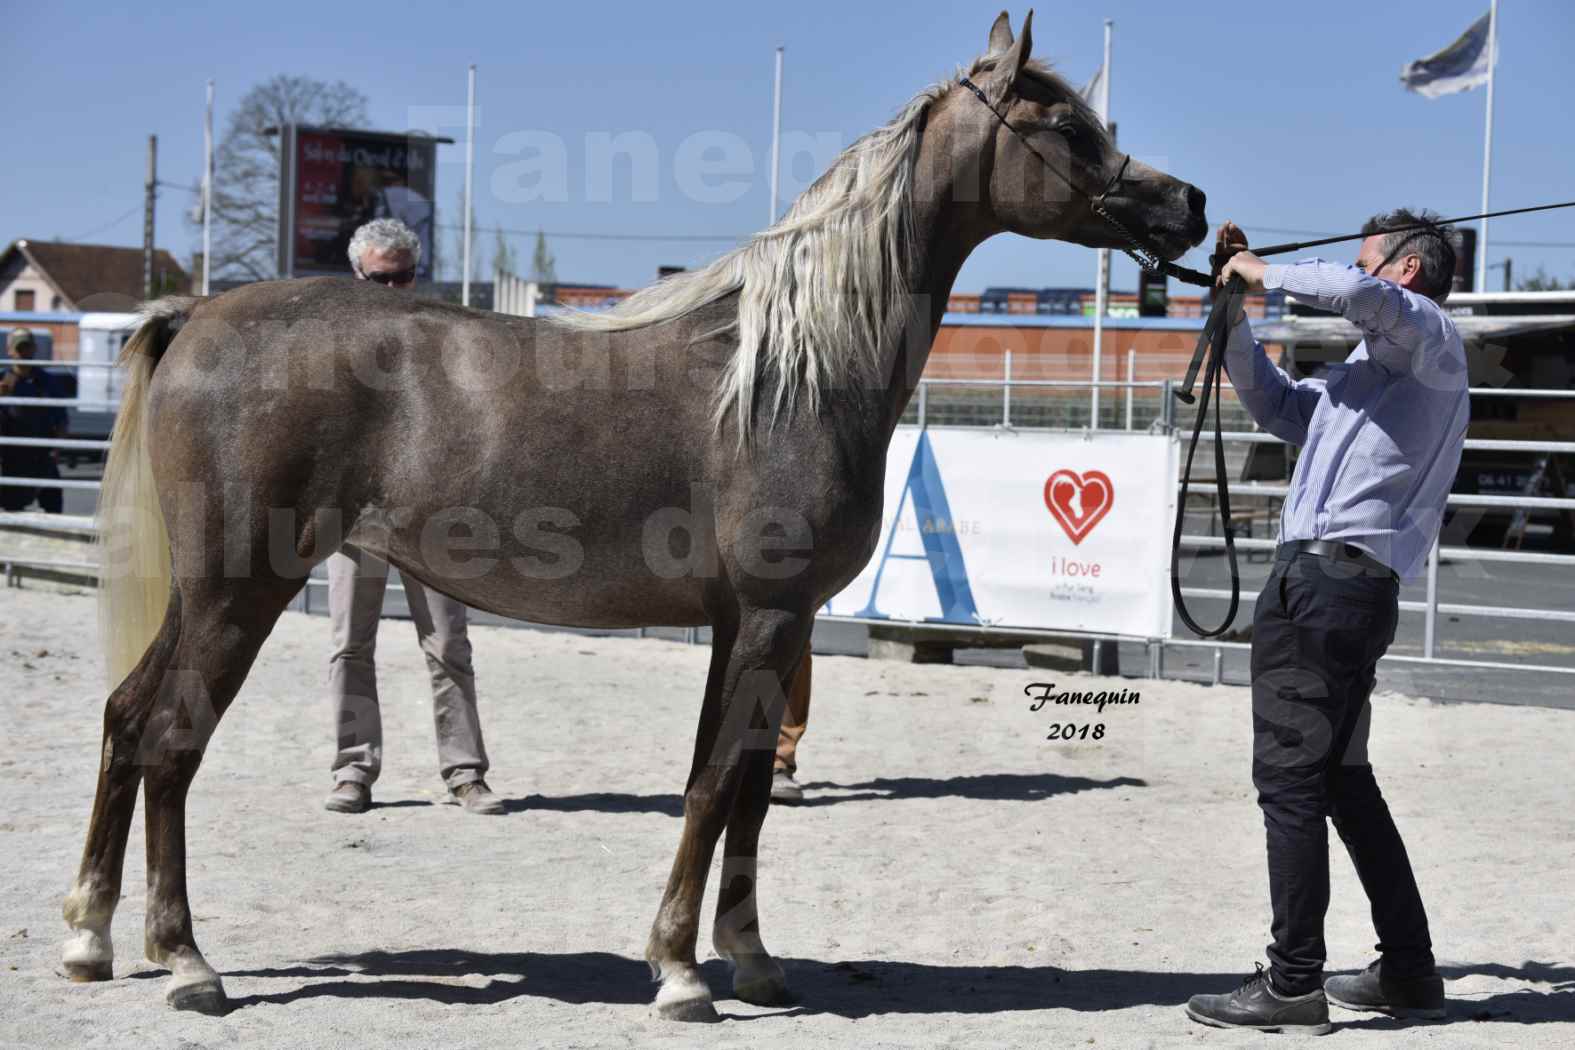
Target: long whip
(1203, 280)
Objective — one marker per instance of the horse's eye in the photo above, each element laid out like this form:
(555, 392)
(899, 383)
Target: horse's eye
(1068, 130)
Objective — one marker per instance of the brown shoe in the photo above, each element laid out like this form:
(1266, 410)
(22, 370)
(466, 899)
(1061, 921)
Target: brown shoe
(349, 797)
(477, 797)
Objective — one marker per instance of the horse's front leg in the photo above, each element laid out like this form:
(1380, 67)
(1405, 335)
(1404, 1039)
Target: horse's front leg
(750, 659)
(757, 977)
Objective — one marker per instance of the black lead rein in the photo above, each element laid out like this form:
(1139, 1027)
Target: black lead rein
(1211, 341)
(1210, 350)
(1228, 303)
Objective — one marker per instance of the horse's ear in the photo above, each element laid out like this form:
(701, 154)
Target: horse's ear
(1011, 63)
(1000, 34)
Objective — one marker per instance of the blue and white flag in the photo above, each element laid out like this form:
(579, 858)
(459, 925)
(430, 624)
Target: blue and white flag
(1461, 66)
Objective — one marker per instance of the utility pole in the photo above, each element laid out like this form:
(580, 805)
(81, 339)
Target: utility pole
(1102, 255)
(776, 139)
(470, 164)
(1509, 266)
(151, 192)
(207, 190)
(1487, 145)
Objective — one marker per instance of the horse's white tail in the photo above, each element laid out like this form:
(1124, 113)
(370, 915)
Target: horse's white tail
(134, 546)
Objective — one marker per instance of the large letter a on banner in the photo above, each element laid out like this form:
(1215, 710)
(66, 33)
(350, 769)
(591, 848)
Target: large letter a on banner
(941, 549)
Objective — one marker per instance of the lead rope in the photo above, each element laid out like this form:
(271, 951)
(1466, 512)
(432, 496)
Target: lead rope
(1211, 350)
(1212, 341)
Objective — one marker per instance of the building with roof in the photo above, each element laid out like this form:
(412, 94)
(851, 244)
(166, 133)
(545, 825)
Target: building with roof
(56, 277)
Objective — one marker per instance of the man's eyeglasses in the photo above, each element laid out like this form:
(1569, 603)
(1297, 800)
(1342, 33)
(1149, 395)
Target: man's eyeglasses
(392, 276)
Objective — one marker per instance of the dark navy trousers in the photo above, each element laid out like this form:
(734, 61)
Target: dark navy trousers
(1319, 629)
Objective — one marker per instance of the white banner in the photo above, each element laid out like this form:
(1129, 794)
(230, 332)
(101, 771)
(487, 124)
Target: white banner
(1018, 529)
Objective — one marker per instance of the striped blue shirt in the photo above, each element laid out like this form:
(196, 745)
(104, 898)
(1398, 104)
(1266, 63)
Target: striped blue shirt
(1381, 433)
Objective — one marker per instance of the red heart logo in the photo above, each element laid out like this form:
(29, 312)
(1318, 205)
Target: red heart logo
(1079, 503)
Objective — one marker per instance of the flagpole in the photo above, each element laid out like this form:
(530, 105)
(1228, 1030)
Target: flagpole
(470, 163)
(1102, 256)
(776, 139)
(1487, 145)
(207, 190)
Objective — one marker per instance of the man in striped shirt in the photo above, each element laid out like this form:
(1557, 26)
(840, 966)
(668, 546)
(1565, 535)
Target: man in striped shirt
(1380, 436)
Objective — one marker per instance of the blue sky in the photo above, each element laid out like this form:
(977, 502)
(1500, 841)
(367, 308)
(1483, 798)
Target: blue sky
(1289, 116)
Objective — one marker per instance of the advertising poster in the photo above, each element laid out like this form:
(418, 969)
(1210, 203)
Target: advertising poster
(1018, 529)
(336, 180)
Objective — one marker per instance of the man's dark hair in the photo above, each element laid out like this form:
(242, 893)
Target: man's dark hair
(1432, 244)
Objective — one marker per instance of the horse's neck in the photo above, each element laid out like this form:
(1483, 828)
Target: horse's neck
(943, 240)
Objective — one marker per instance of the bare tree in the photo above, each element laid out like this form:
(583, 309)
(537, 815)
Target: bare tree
(1541, 282)
(246, 167)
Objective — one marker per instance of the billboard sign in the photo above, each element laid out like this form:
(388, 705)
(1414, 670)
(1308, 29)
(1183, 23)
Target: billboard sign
(334, 180)
(1023, 529)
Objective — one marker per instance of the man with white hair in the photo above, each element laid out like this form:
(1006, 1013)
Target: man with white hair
(385, 251)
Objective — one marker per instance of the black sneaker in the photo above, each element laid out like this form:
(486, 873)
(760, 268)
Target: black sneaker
(1258, 1006)
(1405, 997)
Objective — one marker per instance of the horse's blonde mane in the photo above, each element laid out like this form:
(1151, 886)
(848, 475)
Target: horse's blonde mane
(821, 291)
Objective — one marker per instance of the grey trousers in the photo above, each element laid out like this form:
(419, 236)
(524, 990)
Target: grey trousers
(356, 581)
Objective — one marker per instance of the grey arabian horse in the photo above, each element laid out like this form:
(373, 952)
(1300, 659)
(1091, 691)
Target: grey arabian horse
(711, 452)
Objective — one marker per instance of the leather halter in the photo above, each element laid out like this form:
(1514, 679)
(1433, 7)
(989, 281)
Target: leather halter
(1142, 253)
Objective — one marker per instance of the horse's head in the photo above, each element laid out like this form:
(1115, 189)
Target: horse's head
(1039, 158)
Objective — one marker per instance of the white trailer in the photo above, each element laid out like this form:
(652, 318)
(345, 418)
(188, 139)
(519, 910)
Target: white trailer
(99, 383)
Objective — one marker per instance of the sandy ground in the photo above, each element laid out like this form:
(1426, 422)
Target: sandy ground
(955, 879)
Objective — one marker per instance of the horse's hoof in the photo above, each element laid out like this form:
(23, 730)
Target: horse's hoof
(692, 1011)
(762, 984)
(203, 996)
(765, 991)
(684, 996)
(87, 954)
(98, 970)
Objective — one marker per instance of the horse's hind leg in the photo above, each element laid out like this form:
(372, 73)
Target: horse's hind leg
(90, 906)
(223, 625)
(753, 653)
(757, 977)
